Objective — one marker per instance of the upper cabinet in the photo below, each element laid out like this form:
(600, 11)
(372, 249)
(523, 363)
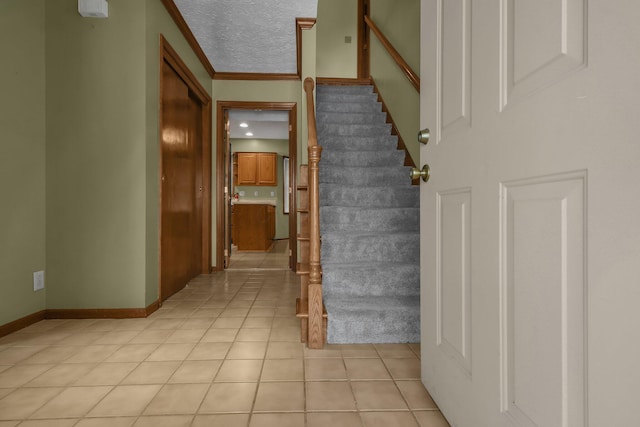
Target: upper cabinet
(255, 169)
(267, 169)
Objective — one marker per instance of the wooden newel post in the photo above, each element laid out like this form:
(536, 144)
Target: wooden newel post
(315, 335)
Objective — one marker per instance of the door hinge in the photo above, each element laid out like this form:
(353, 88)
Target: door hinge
(226, 190)
(290, 253)
(226, 252)
(290, 128)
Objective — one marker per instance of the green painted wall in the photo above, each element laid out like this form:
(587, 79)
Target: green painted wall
(401, 25)
(336, 20)
(103, 154)
(95, 156)
(281, 147)
(22, 156)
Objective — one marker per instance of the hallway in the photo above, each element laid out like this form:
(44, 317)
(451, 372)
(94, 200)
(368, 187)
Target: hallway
(224, 351)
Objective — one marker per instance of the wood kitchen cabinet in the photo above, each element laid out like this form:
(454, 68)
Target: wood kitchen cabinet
(254, 226)
(255, 169)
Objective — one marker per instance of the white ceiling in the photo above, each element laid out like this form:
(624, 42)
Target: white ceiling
(247, 36)
(263, 124)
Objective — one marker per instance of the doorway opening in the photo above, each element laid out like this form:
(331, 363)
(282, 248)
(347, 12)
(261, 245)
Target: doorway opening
(256, 144)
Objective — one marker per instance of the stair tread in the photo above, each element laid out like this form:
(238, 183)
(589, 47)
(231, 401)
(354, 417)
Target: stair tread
(359, 209)
(371, 302)
(352, 234)
(375, 186)
(365, 264)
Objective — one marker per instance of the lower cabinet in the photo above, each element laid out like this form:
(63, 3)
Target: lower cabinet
(254, 226)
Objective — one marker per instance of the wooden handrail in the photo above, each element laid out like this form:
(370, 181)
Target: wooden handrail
(406, 69)
(315, 337)
(309, 86)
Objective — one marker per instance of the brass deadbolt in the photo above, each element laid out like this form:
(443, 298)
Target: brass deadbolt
(423, 136)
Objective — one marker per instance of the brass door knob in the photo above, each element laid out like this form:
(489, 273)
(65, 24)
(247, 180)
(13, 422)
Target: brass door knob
(421, 173)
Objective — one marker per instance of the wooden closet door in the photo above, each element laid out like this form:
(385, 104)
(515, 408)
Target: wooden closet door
(180, 229)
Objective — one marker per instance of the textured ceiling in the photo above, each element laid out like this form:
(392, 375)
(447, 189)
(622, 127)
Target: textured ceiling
(247, 36)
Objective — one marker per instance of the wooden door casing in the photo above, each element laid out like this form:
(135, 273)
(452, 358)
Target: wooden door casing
(229, 186)
(221, 108)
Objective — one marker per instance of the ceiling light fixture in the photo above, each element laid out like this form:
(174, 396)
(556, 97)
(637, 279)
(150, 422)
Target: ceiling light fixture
(249, 133)
(244, 125)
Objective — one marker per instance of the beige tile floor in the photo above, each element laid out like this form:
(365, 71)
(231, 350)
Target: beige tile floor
(276, 258)
(224, 351)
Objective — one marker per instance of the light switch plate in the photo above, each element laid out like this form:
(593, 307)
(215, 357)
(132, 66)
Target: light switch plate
(38, 280)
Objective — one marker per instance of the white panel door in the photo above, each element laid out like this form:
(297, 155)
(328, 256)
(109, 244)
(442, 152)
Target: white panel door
(531, 219)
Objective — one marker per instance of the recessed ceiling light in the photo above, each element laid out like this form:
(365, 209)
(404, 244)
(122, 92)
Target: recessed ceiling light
(249, 133)
(244, 125)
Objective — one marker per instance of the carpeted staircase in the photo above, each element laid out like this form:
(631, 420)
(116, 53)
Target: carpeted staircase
(369, 222)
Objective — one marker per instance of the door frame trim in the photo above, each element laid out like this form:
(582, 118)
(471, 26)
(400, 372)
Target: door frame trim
(292, 109)
(169, 55)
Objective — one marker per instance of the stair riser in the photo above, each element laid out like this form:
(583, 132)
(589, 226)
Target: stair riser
(334, 98)
(360, 159)
(327, 130)
(369, 331)
(383, 325)
(344, 144)
(339, 281)
(334, 195)
(370, 248)
(333, 219)
(332, 118)
(349, 107)
(364, 176)
(352, 89)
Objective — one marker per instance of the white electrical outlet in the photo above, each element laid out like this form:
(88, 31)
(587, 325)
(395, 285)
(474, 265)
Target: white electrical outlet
(273, 193)
(255, 193)
(38, 280)
(241, 194)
